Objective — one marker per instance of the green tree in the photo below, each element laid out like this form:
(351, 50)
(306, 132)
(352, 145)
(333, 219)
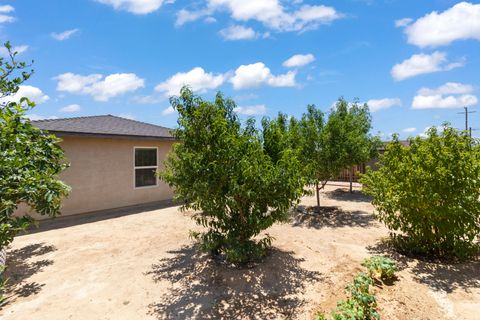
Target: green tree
(220, 168)
(275, 135)
(347, 136)
(313, 153)
(429, 192)
(30, 159)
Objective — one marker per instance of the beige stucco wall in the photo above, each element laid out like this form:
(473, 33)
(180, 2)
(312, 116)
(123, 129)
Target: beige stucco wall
(101, 174)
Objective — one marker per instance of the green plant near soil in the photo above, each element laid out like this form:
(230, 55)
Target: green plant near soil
(361, 303)
(221, 169)
(428, 194)
(380, 266)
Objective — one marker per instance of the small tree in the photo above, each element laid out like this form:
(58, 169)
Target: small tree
(30, 159)
(347, 135)
(222, 169)
(317, 164)
(328, 147)
(430, 191)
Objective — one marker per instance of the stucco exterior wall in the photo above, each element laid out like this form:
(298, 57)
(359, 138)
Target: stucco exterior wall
(101, 174)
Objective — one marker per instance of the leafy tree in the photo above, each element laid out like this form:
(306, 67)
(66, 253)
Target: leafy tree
(346, 136)
(30, 159)
(275, 135)
(430, 192)
(314, 155)
(327, 147)
(221, 169)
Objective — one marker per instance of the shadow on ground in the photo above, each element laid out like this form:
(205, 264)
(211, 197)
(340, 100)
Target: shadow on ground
(203, 288)
(442, 276)
(333, 217)
(20, 269)
(342, 194)
(91, 217)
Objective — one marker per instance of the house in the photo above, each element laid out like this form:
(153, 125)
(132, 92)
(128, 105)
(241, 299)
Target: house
(112, 161)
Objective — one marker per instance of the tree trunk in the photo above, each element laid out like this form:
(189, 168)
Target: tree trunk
(317, 189)
(351, 179)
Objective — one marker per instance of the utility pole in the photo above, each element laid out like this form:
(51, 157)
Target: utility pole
(466, 112)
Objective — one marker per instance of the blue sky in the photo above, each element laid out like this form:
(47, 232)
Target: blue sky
(416, 63)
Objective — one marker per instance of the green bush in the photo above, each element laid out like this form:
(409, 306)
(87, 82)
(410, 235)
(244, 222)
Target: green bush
(380, 266)
(429, 192)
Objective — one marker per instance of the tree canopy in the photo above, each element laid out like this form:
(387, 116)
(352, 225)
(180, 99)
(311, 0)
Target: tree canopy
(223, 170)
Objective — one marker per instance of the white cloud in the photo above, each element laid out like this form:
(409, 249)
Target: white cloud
(448, 88)
(64, 35)
(210, 20)
(257, 74)
(197, 79)
(238, 32)
(70, 108)
(423, 63)
(184, 16)
(18, 49)
(36, 117)
(135, 6)
(32, 93)
(299, 60)
(5, 17)
(442, 102)
(75, 83)
(128, 116)
(460, 22)
(449, 95)
(409, 130)
(101, 89)
(271, 13)
(251, 110)
(6, 9)
(403, 22)
(168, 111)
(385, 103)
(149, 99)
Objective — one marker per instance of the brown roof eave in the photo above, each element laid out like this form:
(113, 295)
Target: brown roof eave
(108, 136)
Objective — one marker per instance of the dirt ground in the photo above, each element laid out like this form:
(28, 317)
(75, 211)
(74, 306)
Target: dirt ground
(142, 265)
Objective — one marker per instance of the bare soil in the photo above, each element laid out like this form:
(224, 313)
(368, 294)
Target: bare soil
(141, 264)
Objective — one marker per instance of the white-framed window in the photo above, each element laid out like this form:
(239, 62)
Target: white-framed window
(145, 166)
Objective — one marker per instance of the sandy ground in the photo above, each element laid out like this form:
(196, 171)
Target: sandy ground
(142, 265)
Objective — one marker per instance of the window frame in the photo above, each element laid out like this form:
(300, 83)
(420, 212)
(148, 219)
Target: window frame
(144, 167)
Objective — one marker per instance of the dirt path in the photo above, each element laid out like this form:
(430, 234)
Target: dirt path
(143, 266)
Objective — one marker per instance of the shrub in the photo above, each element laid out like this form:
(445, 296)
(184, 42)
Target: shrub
(430, 192)
(361, 305)
(221, 169)
(380, 266)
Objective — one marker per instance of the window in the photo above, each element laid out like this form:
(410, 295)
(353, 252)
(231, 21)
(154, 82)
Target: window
(146, 165)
